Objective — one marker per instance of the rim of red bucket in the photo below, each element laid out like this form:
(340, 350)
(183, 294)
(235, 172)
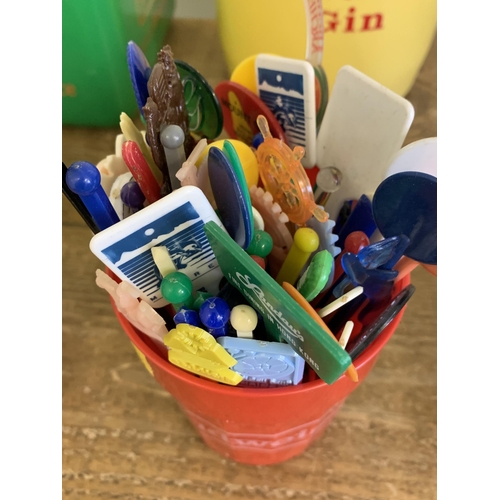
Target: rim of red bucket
(135, 337)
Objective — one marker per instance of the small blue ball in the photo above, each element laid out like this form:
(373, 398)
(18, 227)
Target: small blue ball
(214, 312)
(257, 140)
(131, 195)
(83, 178)
(188, 316)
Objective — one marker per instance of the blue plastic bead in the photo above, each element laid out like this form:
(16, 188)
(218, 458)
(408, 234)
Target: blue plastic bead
(132, 196)
(214, 314)
(257, 140)
(83, 178)
(188, 316)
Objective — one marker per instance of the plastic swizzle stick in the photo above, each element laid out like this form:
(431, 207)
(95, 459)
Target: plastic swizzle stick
(314, 54)
(84, 179)
(172, 138)
(77, 202)
(305, 242)
(139, 168)
(283, 175)
(351, 371)
(346, 334)
(163, 261)
(244, 320)
(328, 181)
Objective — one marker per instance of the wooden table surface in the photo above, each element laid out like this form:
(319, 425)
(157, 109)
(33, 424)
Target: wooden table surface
(125, 438)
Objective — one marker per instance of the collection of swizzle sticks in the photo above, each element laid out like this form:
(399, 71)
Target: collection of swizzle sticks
(221, 251)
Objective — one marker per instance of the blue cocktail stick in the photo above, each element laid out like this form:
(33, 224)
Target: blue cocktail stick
(84, 179)
(77, 203)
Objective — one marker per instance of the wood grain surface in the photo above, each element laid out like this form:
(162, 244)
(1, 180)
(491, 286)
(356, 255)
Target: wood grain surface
(125, 438)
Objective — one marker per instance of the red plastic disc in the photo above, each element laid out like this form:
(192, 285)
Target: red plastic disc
(240, 108)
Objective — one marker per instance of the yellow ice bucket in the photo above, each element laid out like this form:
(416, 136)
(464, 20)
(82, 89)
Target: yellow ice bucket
(387, 40)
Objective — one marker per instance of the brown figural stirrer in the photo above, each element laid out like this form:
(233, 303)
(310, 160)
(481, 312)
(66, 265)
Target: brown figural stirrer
(165, 106)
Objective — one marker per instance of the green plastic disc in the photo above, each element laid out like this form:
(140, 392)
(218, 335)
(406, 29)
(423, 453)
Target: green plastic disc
(203, 106)
(315, 277)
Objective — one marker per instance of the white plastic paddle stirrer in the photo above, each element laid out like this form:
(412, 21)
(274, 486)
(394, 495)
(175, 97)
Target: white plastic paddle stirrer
(365, 123)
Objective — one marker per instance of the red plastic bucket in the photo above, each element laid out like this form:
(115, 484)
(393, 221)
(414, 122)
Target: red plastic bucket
(257, 426)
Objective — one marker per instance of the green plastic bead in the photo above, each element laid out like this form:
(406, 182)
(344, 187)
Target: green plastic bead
(316, 276)
(261, 244)
(177, 289)
(200, 297)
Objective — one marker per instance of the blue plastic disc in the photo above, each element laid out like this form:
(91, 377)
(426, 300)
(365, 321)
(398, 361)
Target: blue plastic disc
(406, 203)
